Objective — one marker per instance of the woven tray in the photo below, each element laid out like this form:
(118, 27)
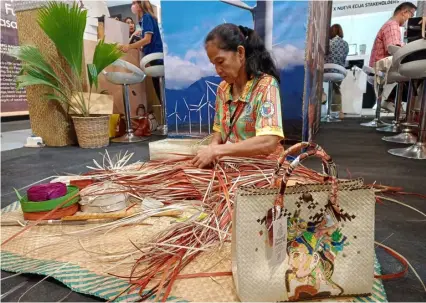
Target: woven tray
(82, 262)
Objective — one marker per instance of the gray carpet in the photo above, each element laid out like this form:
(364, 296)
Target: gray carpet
(357, 151)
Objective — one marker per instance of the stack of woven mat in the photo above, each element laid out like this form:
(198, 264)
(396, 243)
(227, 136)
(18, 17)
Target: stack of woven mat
(84, 260)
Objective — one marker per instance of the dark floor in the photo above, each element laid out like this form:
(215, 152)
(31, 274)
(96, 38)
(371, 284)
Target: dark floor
(15, 125)
(356, 150)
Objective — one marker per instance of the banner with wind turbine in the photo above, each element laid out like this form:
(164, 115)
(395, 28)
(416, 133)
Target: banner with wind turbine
(191, 81)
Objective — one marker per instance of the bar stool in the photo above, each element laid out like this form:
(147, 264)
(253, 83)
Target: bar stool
(338, 75)
(157, 71)
(412, 67)
(407, 128)
(126, 79)
(394, 76)
(373, 78)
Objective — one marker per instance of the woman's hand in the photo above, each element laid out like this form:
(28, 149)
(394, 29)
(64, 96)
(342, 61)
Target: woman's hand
(137, 33)
(124, 47)
(205, 156)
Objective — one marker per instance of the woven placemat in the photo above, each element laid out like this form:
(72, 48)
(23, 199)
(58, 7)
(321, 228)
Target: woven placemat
(84, 262)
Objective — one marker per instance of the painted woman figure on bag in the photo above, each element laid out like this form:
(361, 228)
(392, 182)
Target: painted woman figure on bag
(248, 118)
(312, 249)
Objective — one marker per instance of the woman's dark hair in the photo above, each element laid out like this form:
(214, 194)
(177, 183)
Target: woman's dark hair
(146, 7)
(258, 59)
(336, 30)
(129, 18)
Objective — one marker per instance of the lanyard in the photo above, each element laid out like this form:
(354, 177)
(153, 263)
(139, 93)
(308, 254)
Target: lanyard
(234, 118)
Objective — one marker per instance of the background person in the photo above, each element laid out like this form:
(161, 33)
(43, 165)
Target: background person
(338, 51)
(390, 34)
(134, 34)
(151, 38)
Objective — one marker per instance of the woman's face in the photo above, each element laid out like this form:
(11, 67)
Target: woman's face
(131, 25)
(301, 262)
(136, 8)
(228, 64)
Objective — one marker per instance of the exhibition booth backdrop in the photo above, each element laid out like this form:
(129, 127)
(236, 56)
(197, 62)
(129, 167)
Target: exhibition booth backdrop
(295, 32)
(13, 102)
(191, 81)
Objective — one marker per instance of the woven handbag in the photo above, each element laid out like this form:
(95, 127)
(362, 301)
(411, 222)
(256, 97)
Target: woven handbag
(304, 242)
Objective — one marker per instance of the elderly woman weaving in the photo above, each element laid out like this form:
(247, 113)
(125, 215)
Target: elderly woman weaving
(248, 106)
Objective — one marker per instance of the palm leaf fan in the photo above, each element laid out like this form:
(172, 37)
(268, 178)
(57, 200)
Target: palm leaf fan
(37, 71)
(32, 59)
(65, 25)
(105, 54)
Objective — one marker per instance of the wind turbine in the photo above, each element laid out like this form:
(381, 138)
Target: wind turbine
(189, 115)
(208, 87)
(198, 108)
(263, 14)
(176, 117)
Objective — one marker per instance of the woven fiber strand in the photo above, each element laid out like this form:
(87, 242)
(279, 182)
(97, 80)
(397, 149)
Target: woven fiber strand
(164, 149)
(83, 262)
(49, 119)
(257, 280)
(92, 132)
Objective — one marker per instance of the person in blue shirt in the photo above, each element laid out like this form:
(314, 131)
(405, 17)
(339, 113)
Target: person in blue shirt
(151, 38)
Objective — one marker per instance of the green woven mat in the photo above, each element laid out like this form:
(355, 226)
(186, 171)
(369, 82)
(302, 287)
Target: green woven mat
(105, 287)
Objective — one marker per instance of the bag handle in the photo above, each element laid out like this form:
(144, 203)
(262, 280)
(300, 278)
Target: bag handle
(318, 152)
(297, 148)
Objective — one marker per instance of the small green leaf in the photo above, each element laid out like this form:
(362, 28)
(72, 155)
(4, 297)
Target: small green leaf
(93, 75)
(18, 194)
(105, 54)
(64, 24)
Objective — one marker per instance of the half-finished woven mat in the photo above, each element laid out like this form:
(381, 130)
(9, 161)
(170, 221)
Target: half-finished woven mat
(83, 262)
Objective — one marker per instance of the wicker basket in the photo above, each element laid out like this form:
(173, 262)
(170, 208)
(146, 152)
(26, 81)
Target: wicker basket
(92, 132)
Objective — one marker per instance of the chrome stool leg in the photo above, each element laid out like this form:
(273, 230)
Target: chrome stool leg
(377, 122)
(418, 150)
(129, 137)
(162, 129)
(395, 127)
(329, 118)
(406, 136)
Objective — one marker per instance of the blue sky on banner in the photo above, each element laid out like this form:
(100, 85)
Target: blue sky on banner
(186, 23)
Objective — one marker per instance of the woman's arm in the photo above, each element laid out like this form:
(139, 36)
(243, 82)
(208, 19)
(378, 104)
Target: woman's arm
(217, 138)
(260, 145)
(141, 43)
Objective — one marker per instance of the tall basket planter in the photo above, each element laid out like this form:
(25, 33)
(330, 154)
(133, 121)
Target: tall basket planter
(92, 132)
(61, 27)
(48, 119)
